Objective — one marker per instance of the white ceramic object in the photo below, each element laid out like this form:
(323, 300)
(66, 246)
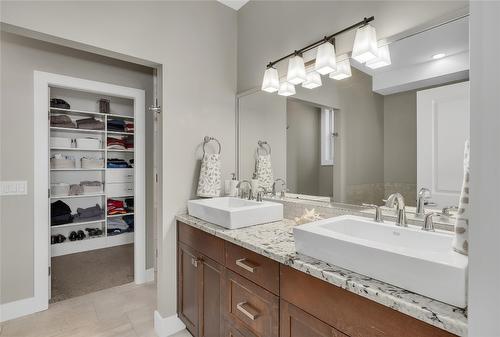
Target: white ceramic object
(232, 213)
(409, 258)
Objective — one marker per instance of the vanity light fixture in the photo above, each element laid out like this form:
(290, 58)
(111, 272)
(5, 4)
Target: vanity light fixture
(438, 56)
(271, 81)
(296, 70)
(383, 59)
(343, 69)
(325, 58)
(313, 80)
(365, 44)
(286, 89)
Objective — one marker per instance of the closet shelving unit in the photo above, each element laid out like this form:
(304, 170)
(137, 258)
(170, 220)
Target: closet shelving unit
(118, 183)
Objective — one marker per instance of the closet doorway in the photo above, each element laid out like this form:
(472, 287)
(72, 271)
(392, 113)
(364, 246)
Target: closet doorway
(90, 186)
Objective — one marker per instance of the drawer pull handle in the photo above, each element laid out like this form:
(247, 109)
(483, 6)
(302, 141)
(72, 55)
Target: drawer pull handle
(247, 265)
(194, 261)
(247, 310)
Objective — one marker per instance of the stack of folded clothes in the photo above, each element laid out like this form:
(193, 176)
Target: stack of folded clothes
(60, 213)
(129, 219)
(93, 213)
(59, 103)
(61, 121)
(129, 142)
(129, 203)
(117, 143)
(119, 225)
(90, 124)
(118, 163)
(117, 125)
(129, 126)
(116, 207)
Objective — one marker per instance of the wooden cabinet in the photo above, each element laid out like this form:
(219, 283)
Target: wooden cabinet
(226, 290)
(297, 323)
(199, 292)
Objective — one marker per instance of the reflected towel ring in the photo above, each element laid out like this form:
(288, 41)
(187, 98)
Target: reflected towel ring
(207, 140)
(264, 145)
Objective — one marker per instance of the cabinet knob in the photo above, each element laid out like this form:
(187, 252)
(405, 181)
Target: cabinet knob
(194, 261)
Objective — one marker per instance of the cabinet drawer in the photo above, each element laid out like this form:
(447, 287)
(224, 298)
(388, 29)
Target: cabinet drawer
(234, 330)
(114, 190)
(257, 268)
(205, 243)
(125, 175)
(251, 306)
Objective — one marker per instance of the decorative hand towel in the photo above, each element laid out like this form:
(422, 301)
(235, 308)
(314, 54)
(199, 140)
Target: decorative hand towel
(264, 170)
(461, 240)
(209, 183)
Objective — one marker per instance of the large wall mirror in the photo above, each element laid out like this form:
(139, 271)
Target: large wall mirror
(399, 128)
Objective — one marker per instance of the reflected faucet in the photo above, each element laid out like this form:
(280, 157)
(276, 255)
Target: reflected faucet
(240, 190)
(283, 187)
(423, 195)
(397, 201)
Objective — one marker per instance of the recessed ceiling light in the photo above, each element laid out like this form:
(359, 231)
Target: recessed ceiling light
(438, 56)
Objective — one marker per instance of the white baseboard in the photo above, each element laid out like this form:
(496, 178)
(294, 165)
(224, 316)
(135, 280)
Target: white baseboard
(20, 308)
(150, 275)
(167, 326)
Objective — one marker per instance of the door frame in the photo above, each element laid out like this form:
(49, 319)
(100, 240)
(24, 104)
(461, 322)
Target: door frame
(42, 81)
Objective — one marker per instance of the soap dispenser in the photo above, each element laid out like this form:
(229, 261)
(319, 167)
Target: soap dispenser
(232, 191)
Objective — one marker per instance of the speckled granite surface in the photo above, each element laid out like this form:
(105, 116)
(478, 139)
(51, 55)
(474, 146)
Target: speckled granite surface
(275, 240)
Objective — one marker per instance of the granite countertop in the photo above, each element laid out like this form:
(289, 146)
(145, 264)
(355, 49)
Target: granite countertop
(275, 240)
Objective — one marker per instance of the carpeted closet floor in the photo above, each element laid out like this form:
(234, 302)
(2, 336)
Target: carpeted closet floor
(83, 273)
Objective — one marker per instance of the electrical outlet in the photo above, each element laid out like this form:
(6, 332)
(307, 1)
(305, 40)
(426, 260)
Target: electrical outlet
(13, 188)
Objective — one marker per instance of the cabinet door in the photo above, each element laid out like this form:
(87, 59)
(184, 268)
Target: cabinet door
(211, 291)
(297, 323)
(188, 296)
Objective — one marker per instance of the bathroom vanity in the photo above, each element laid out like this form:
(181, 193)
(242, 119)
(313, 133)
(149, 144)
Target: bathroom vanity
(251, 282)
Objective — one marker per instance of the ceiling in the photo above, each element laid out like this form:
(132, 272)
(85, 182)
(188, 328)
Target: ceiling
(234, 4)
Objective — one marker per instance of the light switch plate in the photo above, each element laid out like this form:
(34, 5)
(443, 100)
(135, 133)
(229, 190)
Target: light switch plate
(13, 188)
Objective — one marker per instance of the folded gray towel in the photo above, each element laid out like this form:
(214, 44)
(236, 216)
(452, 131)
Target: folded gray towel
(90, 211)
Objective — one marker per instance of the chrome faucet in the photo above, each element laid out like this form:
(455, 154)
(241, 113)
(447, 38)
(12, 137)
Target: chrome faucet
(378, 212)
(397, 201)
(241, 194)
(423, 195)
(283, 187)
(260, 193)
(428, 223)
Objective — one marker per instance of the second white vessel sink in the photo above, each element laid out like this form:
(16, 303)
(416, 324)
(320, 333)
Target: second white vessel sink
(235, 213)
(407, 257)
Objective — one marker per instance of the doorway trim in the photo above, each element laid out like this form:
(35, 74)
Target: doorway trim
(42, 81)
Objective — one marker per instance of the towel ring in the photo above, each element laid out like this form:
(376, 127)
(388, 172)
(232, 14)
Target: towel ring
(207, 140)
(264, 145)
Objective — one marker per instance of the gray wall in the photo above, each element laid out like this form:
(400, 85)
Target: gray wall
(304, 172)
(20, 56)
(195, 43)
(400, 144)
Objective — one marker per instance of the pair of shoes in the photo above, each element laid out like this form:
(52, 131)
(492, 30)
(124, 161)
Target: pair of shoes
(59, 238)
(80, 235)
(94, 231)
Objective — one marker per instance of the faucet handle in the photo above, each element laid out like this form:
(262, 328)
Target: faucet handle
(428, 223)
(378, 212)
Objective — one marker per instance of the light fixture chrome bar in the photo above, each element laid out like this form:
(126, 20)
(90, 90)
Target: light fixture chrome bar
(323, 40)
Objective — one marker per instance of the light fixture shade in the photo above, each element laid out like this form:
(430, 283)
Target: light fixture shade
(286, 89)
(325, 59)
(343, 70)
(313, 80)
(271, 81)
(365, 44)
(296, 70)
(383, 59)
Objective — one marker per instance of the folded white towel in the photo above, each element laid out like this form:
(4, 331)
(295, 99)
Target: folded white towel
(264, 170)
(209, 183)
(461, 241)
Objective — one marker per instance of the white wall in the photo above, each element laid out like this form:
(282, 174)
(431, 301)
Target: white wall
(484, 257)
(196, 44)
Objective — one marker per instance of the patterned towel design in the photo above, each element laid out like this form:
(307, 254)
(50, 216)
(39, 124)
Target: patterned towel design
(209, 183)
(264, 170)
(461, 241)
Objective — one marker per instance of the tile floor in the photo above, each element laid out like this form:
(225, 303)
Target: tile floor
(124, 311)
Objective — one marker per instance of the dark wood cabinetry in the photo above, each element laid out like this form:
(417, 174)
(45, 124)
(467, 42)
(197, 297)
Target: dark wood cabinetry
(226, 290)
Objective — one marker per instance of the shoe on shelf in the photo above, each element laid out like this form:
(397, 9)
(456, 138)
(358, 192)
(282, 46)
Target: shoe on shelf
(80, 235)
(73, 236)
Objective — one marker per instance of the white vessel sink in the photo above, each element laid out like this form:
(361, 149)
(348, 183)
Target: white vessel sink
(235, 213)
(415, 260)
